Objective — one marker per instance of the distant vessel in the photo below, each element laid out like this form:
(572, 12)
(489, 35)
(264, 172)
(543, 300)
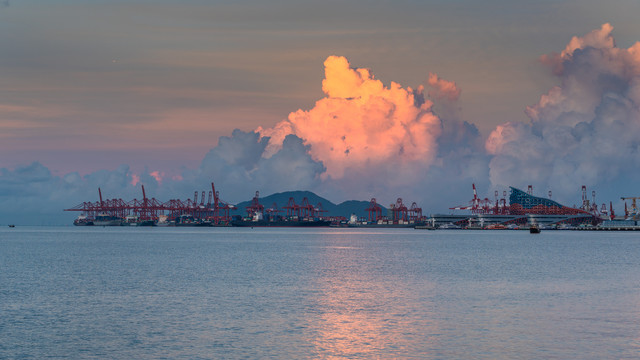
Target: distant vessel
(449, 226)
(107, 220)
(132, 220)
(534, 229)
(354, 222)
(163, 220)
(82, 220)
(387, 224)
(189, 220)
(280, 222)
(11, 226)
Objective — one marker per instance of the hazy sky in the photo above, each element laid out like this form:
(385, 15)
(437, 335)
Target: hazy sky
(88, 85)
(91, 85)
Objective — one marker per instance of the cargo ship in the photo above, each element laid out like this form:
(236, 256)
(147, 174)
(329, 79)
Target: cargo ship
(133, 220)
(280, 222)
(107, 220)
(355, 222)
(83, 220)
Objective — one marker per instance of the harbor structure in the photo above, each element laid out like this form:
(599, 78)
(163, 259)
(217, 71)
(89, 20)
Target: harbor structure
(205, 211)
(523, 209)
(298, 215)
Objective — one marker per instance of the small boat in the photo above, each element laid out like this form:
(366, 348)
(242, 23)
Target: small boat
(449, 226)
(534, 230)
(11, 226)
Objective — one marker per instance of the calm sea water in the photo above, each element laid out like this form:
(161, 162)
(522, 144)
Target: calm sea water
(175, 293)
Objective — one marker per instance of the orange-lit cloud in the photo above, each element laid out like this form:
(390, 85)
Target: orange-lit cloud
(157, 175)
(135, 179)
(361, 123)
(442, 89)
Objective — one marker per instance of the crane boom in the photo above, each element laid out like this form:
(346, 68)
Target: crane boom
(634, 208)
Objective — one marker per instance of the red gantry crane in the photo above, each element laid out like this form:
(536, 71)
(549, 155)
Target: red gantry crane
(148, 210)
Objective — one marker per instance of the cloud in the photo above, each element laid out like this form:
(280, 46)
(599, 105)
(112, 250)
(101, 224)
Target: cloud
(382, 141)
(362, 140)
(443, 89)
(584, 130)
(31, 195)
(363, 124)
(240, 165)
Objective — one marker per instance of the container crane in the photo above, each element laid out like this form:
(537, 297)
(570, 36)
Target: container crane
(633, 213)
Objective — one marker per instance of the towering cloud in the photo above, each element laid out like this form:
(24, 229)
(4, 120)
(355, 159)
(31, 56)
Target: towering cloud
(362, 140)
(361, 124)
(583, 131)
(377, 140)
(240, 165)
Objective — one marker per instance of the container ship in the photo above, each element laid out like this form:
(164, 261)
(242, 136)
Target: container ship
(280, 222)
(384, 222)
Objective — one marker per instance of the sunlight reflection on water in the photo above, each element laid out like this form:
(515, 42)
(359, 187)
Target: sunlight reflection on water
(329, 293)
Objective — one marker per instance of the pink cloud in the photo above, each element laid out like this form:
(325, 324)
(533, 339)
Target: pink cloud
(442, 89)
(361, 123)
(157, 175)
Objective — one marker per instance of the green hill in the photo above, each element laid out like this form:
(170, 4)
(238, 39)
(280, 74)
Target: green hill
(282, 199)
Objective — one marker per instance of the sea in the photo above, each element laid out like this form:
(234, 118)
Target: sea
(326, 293)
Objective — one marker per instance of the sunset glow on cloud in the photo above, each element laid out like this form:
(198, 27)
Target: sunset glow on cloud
(442, 89)
(453, 102)
(363, 124)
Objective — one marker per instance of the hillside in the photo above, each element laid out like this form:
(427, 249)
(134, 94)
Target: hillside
(282, 199)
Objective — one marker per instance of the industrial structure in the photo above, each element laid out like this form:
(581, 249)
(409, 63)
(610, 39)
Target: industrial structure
(397, 215)
(297, 215)
(521, 209)
(524, 209)
(630, 221)
(207, 211)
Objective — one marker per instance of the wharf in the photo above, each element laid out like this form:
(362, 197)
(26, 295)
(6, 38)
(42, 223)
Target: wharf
(609, 228)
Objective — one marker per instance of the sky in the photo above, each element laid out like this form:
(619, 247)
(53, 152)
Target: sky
(351, 100)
